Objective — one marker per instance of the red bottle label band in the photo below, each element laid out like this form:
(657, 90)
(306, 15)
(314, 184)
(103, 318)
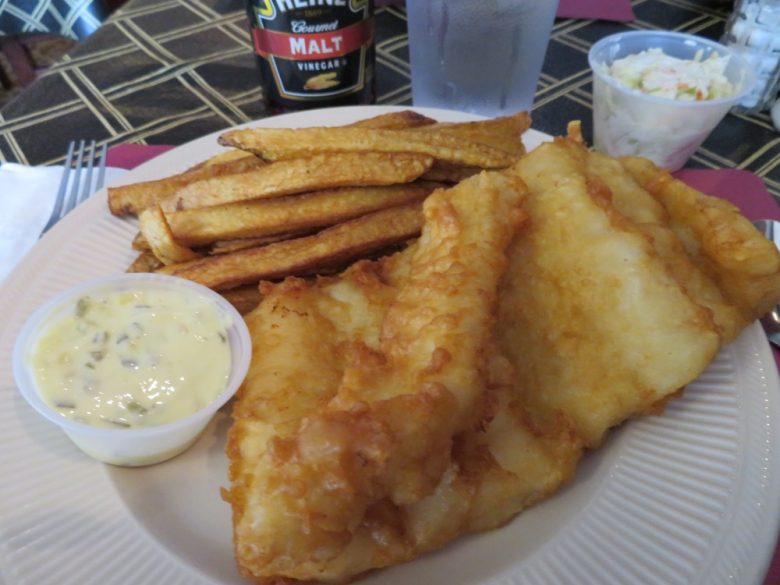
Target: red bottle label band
(317, 46)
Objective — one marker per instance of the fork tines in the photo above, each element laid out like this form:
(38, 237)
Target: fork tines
(80, 156)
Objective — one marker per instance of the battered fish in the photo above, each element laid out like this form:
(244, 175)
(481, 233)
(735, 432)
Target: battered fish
(442, 390)
(405, 373)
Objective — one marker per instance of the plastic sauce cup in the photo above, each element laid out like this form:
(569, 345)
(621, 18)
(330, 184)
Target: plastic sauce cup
(138, 445)
(627, 122)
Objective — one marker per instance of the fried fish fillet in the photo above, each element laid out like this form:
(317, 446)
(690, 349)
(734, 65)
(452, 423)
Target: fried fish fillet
(723, 243)
(444, 389)
(593, 317)
(401, 383)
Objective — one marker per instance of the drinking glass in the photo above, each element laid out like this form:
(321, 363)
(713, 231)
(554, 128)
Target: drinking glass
(481, 57)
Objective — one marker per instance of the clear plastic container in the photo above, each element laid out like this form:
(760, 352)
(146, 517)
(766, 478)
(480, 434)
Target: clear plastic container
(753, 29)
(628, 122)
(130, 446)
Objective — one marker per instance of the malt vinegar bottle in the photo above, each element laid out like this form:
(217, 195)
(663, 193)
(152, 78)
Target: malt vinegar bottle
(314, 53)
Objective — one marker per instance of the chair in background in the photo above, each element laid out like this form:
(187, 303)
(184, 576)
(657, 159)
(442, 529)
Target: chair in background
(73, 19)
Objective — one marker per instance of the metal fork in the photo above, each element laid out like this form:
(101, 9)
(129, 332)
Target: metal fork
(68, 199)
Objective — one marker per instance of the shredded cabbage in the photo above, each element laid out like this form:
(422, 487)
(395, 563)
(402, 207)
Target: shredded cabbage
(655, 73)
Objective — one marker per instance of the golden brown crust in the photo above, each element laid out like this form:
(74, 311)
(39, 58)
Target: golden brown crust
(262, 218)
(503, 133)
(157, 234)
(396, 394)
(455, 386)
(285, 143)
(722, 242)
(131, 199)
(404, 119)
(321, 171)
(349, 240)
(145, 262)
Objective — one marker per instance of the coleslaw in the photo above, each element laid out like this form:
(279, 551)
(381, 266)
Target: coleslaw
(655, 73)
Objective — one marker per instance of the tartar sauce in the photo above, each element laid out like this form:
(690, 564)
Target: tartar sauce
(133, 359)
(653, 72)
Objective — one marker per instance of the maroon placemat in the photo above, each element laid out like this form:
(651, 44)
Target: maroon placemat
(129, 156)
(617, 10)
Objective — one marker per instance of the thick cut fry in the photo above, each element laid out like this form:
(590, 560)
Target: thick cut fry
(204, 225)
(243, 298)
(298, 176)
(503, 133)
(286, 143)
(145, 262)
(228, 246)
(158, 234)
(131, 199)
(332, 246)
(140, 244)
(449, 173)
(396, 121)
(227, 157)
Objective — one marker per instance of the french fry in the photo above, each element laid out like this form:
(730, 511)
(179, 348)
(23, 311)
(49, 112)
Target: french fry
(361, 185)
(226, 246)
(229, 246)
(395, 121)
(158, 234)
(345, 241)
(145, 262)
(286, 143)
(131, 199)
(227, 157)
(449, 173)
(300, 175)
(140, 244)
(243, 298)
(502, 133)
(195, 227)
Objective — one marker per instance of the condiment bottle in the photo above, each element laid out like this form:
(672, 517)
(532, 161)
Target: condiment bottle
(314, 53)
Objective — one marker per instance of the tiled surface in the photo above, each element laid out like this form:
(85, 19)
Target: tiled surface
(165, 72)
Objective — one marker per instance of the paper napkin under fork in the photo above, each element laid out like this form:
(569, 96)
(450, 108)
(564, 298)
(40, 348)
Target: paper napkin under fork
(27, 197)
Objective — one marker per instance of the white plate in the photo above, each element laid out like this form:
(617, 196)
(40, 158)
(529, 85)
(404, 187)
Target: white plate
(690, 497)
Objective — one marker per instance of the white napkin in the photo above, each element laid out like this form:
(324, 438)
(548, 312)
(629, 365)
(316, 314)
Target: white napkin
(27, 197)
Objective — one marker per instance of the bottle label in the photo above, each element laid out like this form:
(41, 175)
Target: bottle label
(315, 49)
